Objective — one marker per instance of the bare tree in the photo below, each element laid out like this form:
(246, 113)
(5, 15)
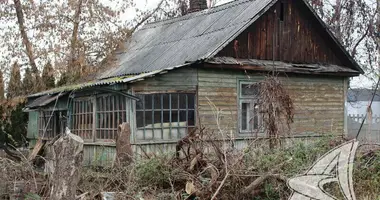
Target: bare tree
(354, 23)
(75, 35)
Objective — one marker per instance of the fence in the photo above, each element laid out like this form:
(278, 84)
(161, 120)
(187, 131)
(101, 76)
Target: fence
(370, 132)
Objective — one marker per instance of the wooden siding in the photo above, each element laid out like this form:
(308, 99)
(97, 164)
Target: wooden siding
(182, 79)
(98, 155)
(217, 100)
(32, 132)
(319, 104)
(298, 38)
(318, 101)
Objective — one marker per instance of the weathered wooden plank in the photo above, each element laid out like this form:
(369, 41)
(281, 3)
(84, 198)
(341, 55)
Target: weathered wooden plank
(296, 38)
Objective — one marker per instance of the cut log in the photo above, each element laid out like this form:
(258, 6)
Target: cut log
(67, 158)
(36, 150)
(124, 152)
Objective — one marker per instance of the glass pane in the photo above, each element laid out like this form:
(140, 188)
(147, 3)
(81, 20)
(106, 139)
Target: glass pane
(191, 101)
(165, 101)
(157, 117)
(182, 101)
(244, 116)
(191, 118)
(140, 119)
(148, 118)
(174, 115)
(250, 89)
(255, 120)
(148, 101)
(182, 117)
(174, 98)
(157, 101)
(166, 115)
(139, 104)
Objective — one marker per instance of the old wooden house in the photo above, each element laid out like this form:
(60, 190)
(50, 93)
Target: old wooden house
(174, 74)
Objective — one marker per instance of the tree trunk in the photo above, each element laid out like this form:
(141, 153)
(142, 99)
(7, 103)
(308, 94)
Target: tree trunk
(124, 152)
(67, 158)
(74, 38)
(25, 39)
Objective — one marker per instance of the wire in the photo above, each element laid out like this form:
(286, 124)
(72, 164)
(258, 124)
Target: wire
(51, 116)
(370, 105)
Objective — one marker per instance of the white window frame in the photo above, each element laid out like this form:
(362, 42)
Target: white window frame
(252, 100)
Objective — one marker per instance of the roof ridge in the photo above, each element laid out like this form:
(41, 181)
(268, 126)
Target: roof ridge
(215, 9)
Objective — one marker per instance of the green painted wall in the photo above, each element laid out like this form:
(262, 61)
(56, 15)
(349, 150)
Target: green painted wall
(32, 125)
(179, 79)
(319, 101)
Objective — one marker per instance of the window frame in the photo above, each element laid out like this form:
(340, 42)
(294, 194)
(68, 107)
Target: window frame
(73, 118)
(111, 115)
(161, 129)
(110, 112)
(56, 124)
(252, 100)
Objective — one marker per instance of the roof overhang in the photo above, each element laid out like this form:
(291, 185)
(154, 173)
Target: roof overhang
(107, 82)
(278, 66)
(42, 101)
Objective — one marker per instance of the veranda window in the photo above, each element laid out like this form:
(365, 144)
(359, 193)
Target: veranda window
(249, 117)
(110, 113)
(97, 118)
(165, 116)
(82, 118)
(46, 125)
(50, 123)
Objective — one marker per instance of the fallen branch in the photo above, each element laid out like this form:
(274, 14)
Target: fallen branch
(259, 181)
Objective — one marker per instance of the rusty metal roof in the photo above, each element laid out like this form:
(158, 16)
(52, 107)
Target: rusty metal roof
(188, 38)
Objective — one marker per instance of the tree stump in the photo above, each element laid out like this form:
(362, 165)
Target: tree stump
(67, 158)
(124, 152)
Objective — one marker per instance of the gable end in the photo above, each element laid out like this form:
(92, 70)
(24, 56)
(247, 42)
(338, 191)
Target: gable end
(290, 32)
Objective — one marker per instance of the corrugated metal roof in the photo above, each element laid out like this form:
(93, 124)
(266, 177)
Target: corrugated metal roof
(173, 43)
(188, 38)
(43, 101)
(108, 81)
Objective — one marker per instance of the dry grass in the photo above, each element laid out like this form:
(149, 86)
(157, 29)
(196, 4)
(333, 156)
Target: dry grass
(206, 169)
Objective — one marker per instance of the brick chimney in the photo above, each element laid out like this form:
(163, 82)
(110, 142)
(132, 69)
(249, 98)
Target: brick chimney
(197, 5)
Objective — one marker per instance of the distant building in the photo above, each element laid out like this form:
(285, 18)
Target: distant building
(359, 99)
